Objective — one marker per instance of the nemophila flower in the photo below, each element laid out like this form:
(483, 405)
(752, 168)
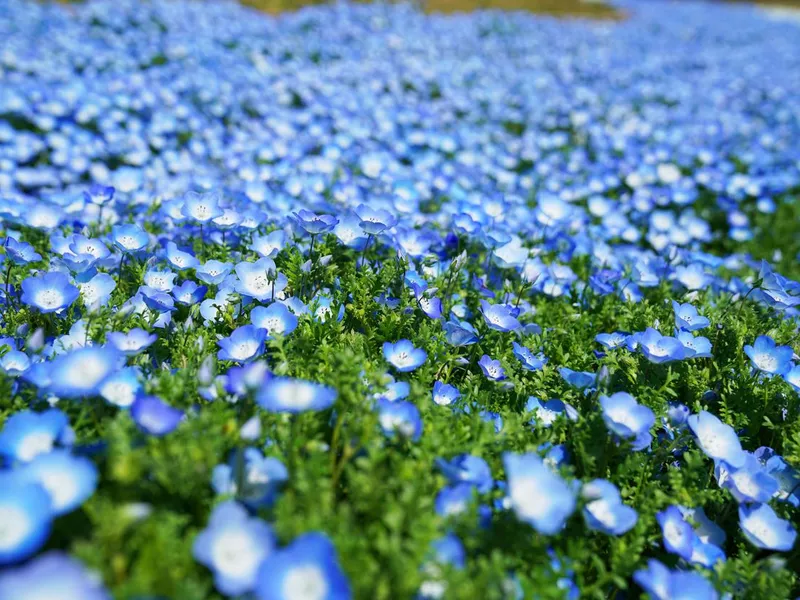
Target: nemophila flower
(69, 480)
(578, 379)
(454, 499)
(431, 306)
(662, 584)
(659, 348)
(25, 518)
(604, 510)
(445, 394)
(611, 341)
(545, 413)
(129, 238)
(285, 394)
(322, 307)
(403, 356)
(244, 344)
(692, 277)
(155, 300)
(314, 224)
(492, 369)
(678, 534)
(538, 496)
(27, 434)
(202, 207)
(787, 477)
(499, 317)
(269, 245)
(767, 357)
(189, 293)
(276, 319)
(716, 439)
(687, 318)
(213, 272)
(251, 477)
(52, 576)
(628, 419)
(792, 377)
(399, 417)
(179, 259)
(233, 546)
(748, 483)
(528, 360)
(247, 378)
(15, 363)
(460, 333)
(210, 308)
(162, 281)
(99, 194)
(765, 529)
(396, 390)
(20, 253)
(80, 373)
(349, 232)
(374, 220)
(154, 416)
(306, 568)
(96, 292)
(694, 347)
(260, 279)
(121, 388)
(466, 468)
(50, 292)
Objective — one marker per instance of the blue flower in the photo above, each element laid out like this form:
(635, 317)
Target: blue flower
(767, 357)
(403, 356)
(213, 272)
(466, 468)
(445, 394)
(662, 584)
(687, 319)
(285, 394)
(454, 499)
(52, 575)
(122, 387)
(604, 510)
(538, 496)
(448, 550)
(180, 259)
(189, 293)
(716, 439)
(269, 245)
(51, 292)
(306, 568)
(399, 417)
(492, 369)
(133, 342)
(15, 363)
(25, 519)
(27, 434)
(154, 416)
(246, 343)
(627, 419)
(276, 319)
(749, 482)
(314, 224)
(259, 280)
(251, 477)
(678, 535)
(659, 348)
(21, 253)
(578, 379)
(764, 529)
(233, 546)
(129, 238)
(460, 333)
(545, 413)
(374, 220)
(529, 360)
(611, 341)
(69, 480)
(82, 372)
(201, 208)
(499, 317)
(96, 292)
(694, 347)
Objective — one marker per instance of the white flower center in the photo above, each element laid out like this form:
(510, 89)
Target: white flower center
(305, 583)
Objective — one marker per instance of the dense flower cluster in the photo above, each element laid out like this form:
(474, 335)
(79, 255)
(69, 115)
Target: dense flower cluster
(363, 302)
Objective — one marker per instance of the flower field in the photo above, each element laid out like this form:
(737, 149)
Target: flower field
(363, 302)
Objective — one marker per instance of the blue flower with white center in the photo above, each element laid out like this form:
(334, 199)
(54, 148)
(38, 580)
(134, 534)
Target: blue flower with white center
(246, 343)
(396, 390)
(99, 194)
(154, 416)
(399, 417)
(659, 348)
(528, 360)
(233, 546)
(306, 569)
(213, 272)
(96, 292)
(49, 577)
(276, 319)
(260, 279)
(431, 306)
(545, 413)
(787, 477)
(748, 483)
(694, 347)
(247, 378)
(269, 245)
(133, 342)
(189, 293)
(767, 357)
(705, 529)
(27, 434)
(765, 529)
(537, 495)
(687, 318)
(181, 260)
(499, 317)
(678, 535)
(792, 377)
(611, 341)
(80, 373)
(15, 363)
(454, 500)
(492, 369)
(159, 302)
(129, 238)
(374, 220)
(445, 394)
(466, 468)
(285, 394)
(48, 293)
(251, 477)
(69, 480)
(314, 224)
(662, 584)
(460, 333)
(201, 207)
(322, 307)
(628, 419)
(25, 519)
(716, 439)
(403, 356)
(349, 232)
(122, 387)
(21, 253)
(604, 510)
(163, 281)
(578, 379)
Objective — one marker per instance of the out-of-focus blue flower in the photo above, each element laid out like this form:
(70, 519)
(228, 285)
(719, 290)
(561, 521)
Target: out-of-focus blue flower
(747, 483)
(662, 584)
(454, 499)
(445, 394)
(467, 468)
(52, 575)
(81, 372)
(604, 510)
(154, 416)
(26, 520)
(765, 529)
(628, 419)
(611, 341)
(133, 342)
(545, 413)
(678, 534)
(27, 434)
(399, 417)
(578, 379)
(69, 480)
(716, 439)
(251, 477)
(285, 394)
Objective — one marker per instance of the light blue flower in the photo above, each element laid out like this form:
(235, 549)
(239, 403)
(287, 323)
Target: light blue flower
(499, 317)
(769, 358)
(276, 319)
(747, 483)
(81, 372)
(69, 480)
(154, 416)
(687, 318)
(662, 584)
(628, 419)
(604, 510)
(467, 468)
(716, 439)
(399, 417)
(133, 342)
(678, 535)
(27, 434)
(52, 575)
(285, 394)
(765, 529)
(50, 292)
(659, 348)
(445, 394)
(492, 369)
(25, 519)
(403, 356)
(259, 280)
(245, 343)
(528, 359)
(251, 477)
